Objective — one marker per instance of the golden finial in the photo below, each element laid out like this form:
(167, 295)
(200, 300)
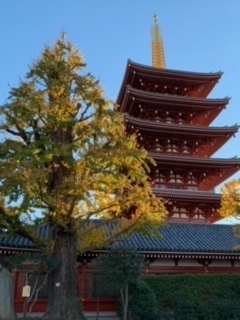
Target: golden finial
(158, 59)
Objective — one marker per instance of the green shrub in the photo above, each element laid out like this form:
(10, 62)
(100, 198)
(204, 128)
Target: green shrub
(197, 297)
(142, 302)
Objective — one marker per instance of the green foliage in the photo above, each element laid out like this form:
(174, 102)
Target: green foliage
(121, 266)
(103, 288)
(197, 297)
(34, 262)
(142, 301)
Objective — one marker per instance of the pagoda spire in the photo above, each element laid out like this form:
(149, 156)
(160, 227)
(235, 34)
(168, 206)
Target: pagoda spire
(158, 59)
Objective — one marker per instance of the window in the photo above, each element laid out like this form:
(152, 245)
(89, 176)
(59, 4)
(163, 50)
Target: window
(175, 178)
(36, 281)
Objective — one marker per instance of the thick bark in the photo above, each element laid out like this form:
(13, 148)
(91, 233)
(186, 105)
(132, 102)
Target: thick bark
(63, 300)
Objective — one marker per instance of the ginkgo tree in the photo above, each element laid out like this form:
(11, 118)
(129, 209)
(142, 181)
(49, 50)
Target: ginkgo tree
(230, 200)
(66, 161)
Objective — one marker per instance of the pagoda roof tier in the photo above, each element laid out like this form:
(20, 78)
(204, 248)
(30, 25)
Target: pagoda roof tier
(189, 195)
(216, 170)
(203, 203)
(202, 111)
(195, 84)
(209, 139)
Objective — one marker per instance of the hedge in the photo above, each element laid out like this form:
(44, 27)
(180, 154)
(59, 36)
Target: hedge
(196, 297)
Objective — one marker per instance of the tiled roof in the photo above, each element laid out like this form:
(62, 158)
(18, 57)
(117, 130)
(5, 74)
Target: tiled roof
(208, 80)
(187, 194)
(150, 125)
(18, 242)
(189, 238)
(186, 159)
(176, 99)
(212, 75)
(176, 238)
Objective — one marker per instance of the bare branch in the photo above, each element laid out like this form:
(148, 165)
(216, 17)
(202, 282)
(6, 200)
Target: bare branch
(36, 292)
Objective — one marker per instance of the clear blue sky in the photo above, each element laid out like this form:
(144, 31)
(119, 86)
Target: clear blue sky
(199, 35)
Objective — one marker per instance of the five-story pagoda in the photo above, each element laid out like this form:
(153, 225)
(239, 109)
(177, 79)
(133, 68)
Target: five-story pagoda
(171, 115)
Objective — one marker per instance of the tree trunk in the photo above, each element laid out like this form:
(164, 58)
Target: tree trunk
(63, 300)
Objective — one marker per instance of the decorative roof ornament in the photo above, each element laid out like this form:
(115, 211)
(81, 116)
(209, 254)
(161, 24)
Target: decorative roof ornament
(158, 58)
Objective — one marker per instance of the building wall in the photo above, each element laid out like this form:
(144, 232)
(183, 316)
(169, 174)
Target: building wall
(95, 299)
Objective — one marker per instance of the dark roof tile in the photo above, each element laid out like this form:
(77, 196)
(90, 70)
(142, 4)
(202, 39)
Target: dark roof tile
(175, 237)
(198, 238)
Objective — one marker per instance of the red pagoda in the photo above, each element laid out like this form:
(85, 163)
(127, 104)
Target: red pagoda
(171, 115)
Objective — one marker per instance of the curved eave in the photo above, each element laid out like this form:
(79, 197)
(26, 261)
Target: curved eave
(174, 76)
(159, 127)
(133, 97)
(196, 161)
(227, 167)
(181, 74)
(176, 254)
(218, 135)
(189, 195)
(17, 250)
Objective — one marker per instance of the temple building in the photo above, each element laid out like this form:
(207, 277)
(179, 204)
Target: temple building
(171, 115)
